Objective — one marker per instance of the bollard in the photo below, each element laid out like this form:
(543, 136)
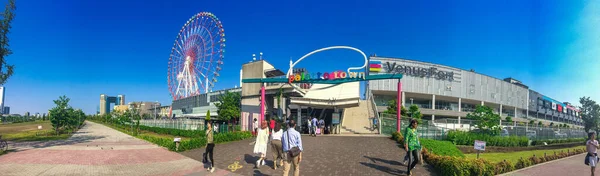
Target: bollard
(177, 141)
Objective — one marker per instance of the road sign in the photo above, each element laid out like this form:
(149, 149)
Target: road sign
(480, 145)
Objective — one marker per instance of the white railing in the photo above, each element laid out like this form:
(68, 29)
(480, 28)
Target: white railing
(375, 111)
(183, 124)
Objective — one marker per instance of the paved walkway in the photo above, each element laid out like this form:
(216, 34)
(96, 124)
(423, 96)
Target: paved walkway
(568, 166)
(98, 150)
(323, 155)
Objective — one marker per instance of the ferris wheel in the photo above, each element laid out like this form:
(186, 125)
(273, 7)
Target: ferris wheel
(196, 56)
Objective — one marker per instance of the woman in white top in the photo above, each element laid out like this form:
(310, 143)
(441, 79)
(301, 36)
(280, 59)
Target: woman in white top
(260, 147)
(276, 145)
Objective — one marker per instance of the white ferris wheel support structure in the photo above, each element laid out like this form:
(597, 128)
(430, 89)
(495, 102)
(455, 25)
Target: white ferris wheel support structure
(187, 83)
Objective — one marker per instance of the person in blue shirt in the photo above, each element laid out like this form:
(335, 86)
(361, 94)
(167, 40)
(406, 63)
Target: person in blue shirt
(314, 126)
(291, 138)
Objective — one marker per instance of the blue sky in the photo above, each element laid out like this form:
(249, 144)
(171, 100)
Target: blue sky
(83, 48)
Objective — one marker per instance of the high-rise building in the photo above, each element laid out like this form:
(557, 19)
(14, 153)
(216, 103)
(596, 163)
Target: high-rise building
(6, 110)
(105, 102)
(2, 98)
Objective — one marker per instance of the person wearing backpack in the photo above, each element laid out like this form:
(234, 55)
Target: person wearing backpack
(292, 147)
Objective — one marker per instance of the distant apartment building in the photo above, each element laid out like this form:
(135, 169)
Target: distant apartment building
(145, 107)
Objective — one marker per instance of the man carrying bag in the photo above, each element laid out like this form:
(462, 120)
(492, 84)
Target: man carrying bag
(292, 147)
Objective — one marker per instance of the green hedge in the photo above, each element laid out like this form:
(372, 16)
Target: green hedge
(197, 137)
(447, 162)
(197, 142)
(174, 132)
(444, 148)
(558, 141)
(468, 138)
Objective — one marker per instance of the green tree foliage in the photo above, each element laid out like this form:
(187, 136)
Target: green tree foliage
(393, 107)
(590, 112)
(63, 117)
(531, 122)
(508, 119)
(540, 123)
(228, 106)
(5, 27)
(414, 112)
(208, 115)
(485, 119)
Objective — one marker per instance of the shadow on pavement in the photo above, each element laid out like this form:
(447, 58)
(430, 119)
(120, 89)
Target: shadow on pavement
(384, 169)
(390, 162)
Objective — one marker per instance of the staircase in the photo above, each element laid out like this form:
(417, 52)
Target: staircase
(357, 119)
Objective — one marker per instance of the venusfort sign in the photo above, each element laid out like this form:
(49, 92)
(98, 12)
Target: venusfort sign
(419, 71)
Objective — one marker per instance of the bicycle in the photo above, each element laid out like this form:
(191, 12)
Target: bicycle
(3, 144)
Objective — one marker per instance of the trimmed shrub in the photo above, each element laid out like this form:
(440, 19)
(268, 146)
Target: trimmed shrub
(398, 137)
(443, 148)
(523, 163)
(468, 138)
(503, 167)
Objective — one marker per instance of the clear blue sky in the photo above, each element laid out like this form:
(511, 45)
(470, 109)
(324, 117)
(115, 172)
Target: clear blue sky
(83, 48)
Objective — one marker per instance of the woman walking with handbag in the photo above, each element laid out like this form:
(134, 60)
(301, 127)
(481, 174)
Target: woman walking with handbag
(276, 145)
(260, 147)
(210, 147)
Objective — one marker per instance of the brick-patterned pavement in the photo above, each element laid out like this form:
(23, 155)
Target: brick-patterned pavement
(568, 166)
(98, 150)
(323, 155)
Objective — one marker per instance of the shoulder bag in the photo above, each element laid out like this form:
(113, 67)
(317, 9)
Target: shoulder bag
(294, 151)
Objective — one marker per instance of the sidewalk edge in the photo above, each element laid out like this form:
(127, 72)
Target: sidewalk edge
(512, 172)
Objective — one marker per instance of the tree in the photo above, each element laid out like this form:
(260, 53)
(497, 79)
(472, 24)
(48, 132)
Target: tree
(508, 119)
(485, 119)
(228, 106)
(392, 107)
(540, 123)
(5, 27)
(414, 112)
(590, 112)
(207, 115)
(59, 115)
(551, 124)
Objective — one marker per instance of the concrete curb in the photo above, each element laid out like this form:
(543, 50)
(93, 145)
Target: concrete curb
(515, 171)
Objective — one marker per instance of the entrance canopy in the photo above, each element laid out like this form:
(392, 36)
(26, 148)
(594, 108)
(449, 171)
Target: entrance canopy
(324, 81)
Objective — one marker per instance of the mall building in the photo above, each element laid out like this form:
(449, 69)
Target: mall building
(446, 92)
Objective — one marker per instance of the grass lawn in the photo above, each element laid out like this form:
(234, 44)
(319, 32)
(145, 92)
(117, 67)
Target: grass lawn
(513, 157)
(28, 131)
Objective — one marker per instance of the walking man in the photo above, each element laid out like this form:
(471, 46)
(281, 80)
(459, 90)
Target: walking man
(292, 141)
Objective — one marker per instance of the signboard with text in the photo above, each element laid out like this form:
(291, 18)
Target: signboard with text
(480, 145)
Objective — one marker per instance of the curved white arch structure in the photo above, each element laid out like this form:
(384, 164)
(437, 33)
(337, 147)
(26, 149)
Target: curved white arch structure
(330, 48)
